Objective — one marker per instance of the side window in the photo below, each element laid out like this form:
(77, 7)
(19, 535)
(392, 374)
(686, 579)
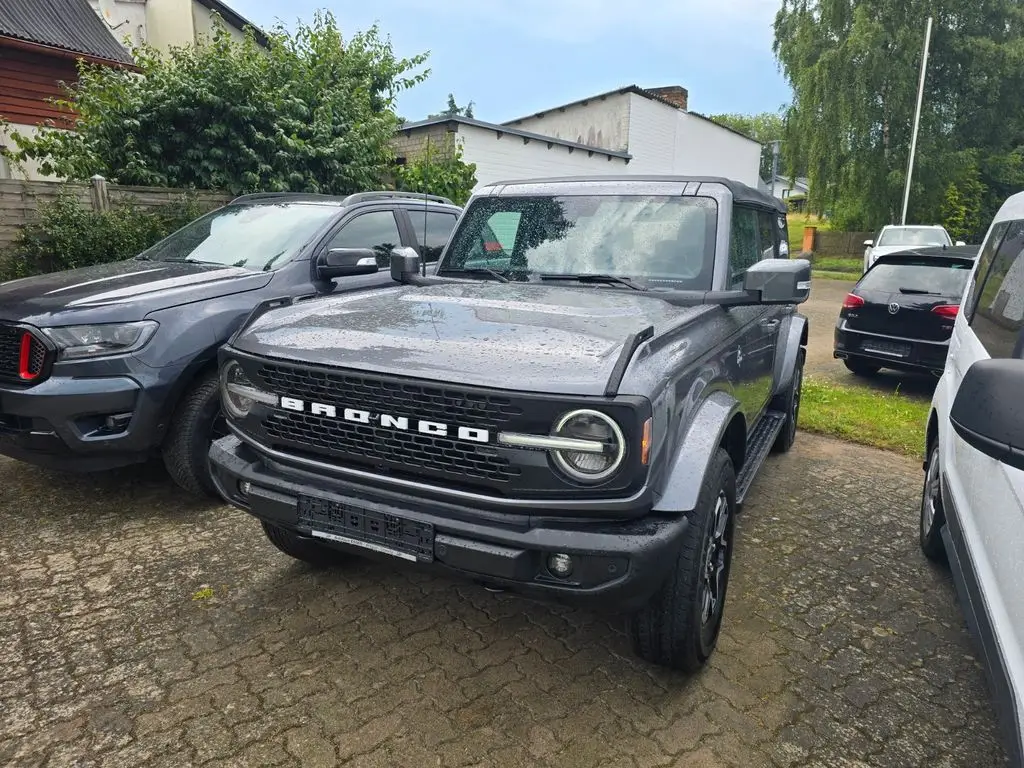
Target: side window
(985, 257)
(376, 229)
(783, 237)
(766, 232)
(999, 314)
(743, 250)
(438, 227)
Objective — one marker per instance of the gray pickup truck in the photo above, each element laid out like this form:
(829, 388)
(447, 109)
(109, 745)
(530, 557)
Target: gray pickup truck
(573, 404)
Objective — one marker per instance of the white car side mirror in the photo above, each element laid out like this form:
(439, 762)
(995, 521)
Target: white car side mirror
(868, 243)
(960, 242)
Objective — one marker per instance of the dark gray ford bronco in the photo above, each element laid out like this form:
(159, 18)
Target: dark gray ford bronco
(572, 404)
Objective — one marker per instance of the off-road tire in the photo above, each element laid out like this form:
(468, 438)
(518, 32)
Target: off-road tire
(309, 552)
(860, 367)
(788, 402)
(668, 631)
(930, 531)
(186, 448)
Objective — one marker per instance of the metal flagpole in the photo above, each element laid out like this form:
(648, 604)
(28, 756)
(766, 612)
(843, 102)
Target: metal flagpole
(917, 119)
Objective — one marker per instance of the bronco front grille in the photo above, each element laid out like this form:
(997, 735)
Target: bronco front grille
(377, 447)
(22, 355)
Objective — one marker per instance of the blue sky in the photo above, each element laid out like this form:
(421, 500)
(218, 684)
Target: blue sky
(516, 57)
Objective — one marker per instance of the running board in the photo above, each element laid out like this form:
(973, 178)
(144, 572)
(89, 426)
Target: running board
(759, 445)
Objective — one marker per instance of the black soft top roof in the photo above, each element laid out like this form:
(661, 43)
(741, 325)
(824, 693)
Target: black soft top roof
(741, 193)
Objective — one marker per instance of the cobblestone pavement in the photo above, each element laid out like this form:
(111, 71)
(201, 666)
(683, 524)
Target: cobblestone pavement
(140, 630)
(822, 309)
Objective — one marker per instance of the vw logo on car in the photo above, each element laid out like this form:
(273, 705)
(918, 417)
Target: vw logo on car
(893, 308)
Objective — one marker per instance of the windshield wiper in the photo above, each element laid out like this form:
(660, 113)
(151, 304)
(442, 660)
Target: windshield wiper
(589, 278)
(479, 272)
(919, 292)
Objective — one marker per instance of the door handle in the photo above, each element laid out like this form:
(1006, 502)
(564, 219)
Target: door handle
(770, 324)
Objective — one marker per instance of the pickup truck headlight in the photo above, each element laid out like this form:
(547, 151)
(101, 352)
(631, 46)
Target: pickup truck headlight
(75, 342)
(238, 394)
(602, 446)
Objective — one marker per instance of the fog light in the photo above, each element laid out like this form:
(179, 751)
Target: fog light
(244, 487)
(560, 565)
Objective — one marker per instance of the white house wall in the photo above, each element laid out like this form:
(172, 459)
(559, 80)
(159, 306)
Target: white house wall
(598, 123)
(663, 139)
(508, 158)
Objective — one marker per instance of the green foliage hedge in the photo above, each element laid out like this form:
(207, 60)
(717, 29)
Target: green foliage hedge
(67, 235)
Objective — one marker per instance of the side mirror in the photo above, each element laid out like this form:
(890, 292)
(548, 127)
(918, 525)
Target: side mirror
(405, 264)
(345, 262)
(868, 243)
(959, 243)
(988, 412)
(779, 281)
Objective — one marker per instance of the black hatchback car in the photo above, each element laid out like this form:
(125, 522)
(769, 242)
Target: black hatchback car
(900, 314)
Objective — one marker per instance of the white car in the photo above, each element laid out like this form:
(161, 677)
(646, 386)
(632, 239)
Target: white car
(893, 238)
(972, 505)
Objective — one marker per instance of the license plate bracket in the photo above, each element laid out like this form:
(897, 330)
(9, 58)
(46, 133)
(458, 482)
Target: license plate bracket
(358, 526)
(888, 348)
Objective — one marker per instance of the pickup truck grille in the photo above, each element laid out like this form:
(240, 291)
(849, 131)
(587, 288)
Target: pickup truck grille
(22, 355)
(386, 448)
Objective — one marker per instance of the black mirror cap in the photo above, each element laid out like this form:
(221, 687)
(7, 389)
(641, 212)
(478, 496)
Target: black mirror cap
(988, 411)
(405, 264)
(779, 281)
(346, 262)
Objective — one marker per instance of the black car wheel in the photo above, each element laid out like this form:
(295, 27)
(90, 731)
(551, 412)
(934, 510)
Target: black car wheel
(789, 403)
(679, 626)
(933, 515)
(861, 367)
(197, 422)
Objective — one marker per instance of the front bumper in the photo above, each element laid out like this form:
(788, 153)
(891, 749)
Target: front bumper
(917, 356)
(615, 564)
(86, 417)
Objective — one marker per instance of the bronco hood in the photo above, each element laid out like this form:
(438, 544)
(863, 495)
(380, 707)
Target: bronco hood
(516, 336)
(121, 291)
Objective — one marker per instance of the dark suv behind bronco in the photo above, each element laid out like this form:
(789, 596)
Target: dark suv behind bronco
(109, 365)
(574, 405)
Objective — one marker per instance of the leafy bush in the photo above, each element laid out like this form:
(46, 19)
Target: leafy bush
(314, 113)
(66, 235)
(439, 170)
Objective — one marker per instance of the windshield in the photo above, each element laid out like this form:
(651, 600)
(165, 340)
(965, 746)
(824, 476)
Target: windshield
(666, 241)
(941, 277)
(914, 236)
(256, 237)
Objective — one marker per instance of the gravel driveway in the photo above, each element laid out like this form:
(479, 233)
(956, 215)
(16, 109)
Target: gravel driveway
(141, 630)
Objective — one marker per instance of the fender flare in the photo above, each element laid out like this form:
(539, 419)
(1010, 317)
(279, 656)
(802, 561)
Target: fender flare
(792, 336)
(696, 451)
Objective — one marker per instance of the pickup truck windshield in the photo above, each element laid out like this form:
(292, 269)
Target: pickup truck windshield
(666, 241)
(254, 237)
(914, 236)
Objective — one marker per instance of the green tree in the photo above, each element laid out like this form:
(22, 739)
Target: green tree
(765, 127)
(439, 170)
(854, 65)
(315, 113)
(454, 110)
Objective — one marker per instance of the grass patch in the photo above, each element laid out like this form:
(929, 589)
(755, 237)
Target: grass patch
(795, 223)
(862, 415)
(851, 264)
(833, 275)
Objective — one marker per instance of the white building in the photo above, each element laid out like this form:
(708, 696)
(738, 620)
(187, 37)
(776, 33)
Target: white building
(629, 130)
(164, 24)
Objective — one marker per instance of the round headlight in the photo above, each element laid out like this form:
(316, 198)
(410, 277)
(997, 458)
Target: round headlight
(590, 466)
(236, 390)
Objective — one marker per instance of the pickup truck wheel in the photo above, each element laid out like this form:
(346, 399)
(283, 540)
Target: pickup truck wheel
(305, 550)
(933, 516)
(197, 422)
(679, 627)
(788, 403)
(860, 367)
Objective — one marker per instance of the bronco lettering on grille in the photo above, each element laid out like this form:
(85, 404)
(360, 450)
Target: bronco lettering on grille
(385, 420)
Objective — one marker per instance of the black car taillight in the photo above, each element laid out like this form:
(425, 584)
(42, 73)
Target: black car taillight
(852, 301)
(31, 357)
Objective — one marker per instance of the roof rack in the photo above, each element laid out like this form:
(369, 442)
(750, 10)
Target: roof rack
(362, 197)
(286, 195)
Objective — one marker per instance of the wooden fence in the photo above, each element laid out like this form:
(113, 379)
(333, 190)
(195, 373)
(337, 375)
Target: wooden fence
(835, 243)
(20, 200)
